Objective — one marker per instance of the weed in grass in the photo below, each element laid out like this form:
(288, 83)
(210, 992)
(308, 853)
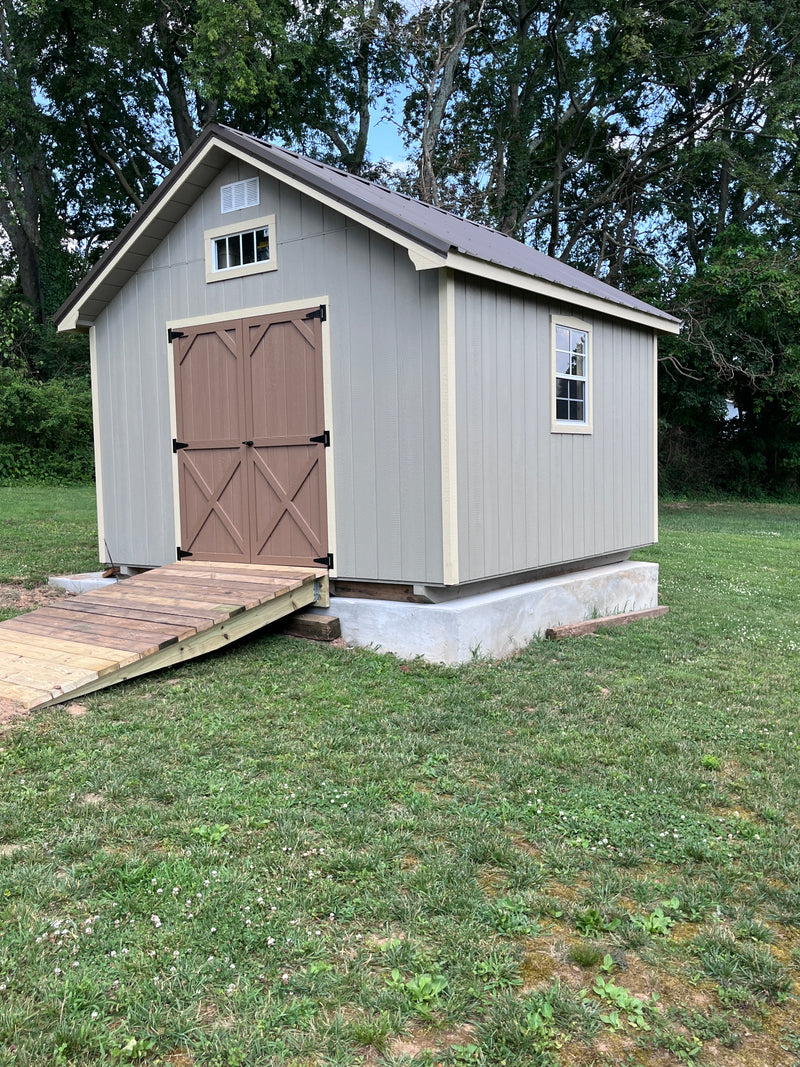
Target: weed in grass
(584, 955)
(510, 916)
(743, 970)
(590, 922)
(659, 922)
(725, 1027)
(624, 1006)
(497, 971)
(420, 992)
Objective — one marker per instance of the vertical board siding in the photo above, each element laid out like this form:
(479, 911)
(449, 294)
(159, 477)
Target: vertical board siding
(384, 349)
(530, 498)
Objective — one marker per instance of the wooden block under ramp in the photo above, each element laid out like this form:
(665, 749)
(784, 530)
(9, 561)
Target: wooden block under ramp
(313, 627)
(556, 633)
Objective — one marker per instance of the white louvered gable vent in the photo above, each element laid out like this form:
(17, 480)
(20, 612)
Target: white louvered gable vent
(239, 194)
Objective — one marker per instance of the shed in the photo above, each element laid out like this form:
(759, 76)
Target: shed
(292, 364)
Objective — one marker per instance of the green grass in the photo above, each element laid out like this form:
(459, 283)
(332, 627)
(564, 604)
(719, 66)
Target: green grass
(45, 531)
(292, 854)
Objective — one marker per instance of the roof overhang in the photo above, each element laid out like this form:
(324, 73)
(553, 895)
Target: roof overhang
(210, 153)
(661, 323)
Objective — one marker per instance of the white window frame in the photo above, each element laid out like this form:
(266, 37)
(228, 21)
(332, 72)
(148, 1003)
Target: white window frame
(247, 185)
(265, 222)
(571, 425)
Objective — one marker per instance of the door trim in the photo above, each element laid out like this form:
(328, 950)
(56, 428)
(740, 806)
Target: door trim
(310, 303)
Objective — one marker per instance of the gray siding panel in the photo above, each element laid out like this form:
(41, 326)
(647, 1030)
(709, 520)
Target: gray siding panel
(384, 340)
(530, 498)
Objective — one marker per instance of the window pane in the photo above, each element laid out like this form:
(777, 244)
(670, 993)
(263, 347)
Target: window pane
(235, 251)
(576, 411)
(562, 362)
(578, 342)
(221, 251)
(249, 247)
(578, 364)
(262, 246)
(562, 387)
(562, 409)
(562, 338)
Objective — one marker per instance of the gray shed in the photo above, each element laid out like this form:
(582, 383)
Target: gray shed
(292, 364)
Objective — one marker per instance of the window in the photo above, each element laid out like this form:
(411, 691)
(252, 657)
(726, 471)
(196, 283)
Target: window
(239, 249)
(571, 363)
(233, 253)
(239, 194)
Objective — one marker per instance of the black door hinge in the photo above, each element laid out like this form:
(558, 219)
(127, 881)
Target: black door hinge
(320, 313)
(181, 554)
(177, 445)
(325, 561)
(172, 334)
(323, 438)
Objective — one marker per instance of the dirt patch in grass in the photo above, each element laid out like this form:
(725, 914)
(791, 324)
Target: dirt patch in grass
(17, 598)
(415, 1043)
(10, 711)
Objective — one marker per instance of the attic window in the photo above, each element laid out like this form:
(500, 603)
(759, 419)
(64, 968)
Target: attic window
(241, 249)
(571, 361)
(239, 194)
(233, 253)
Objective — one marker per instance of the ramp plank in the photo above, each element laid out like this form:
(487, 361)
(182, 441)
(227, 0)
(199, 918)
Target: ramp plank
(129, 611)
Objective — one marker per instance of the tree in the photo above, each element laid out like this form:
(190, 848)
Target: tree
(742, 313)
(29, 204)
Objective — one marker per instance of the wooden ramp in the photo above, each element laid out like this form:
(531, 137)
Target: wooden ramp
(141, 624)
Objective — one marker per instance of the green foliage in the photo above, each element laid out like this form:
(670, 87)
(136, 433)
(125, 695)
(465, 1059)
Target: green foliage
(45, 429)
(742, 308)
(35, 349)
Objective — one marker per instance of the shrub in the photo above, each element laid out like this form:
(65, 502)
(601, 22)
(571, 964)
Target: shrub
(45, 429)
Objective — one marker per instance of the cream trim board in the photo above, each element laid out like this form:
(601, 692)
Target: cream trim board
(425, 260)
(557, 426)
(98, 451)
(173, 433)
(655, 440)
(327, 399)
(265, 222)
(448, 426)
(246, 313)
(330, 451)
(469, 265)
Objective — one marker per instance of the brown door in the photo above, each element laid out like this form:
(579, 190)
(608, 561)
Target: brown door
(248, 401)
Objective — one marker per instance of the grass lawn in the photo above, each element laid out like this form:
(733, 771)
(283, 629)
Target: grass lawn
(292, 854)
(46, 531)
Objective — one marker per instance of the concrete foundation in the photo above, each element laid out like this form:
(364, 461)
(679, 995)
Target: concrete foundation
(80, 583)
(497, 623)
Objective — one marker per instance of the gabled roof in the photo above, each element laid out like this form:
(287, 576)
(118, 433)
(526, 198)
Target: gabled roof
(433, 237)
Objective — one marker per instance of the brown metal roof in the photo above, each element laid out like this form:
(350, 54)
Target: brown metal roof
(439, 231)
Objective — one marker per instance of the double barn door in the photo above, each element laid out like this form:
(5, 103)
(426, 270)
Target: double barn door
(249, 405)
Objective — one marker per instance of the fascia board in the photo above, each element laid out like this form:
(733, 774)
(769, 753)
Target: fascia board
(73, 318)
(505, 276)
